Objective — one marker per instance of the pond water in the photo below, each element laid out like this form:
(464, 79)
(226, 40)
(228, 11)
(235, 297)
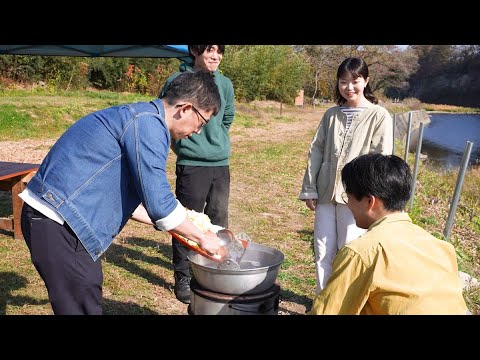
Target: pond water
(445, 138)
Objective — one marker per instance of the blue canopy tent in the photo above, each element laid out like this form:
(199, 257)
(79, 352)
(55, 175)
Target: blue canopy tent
(146, 51)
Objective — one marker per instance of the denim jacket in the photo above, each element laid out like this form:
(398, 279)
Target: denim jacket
(103, 167)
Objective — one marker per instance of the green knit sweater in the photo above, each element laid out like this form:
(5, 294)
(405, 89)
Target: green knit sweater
(212, 146)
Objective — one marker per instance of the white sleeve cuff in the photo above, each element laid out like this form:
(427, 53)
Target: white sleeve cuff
(174, 219)
(307, 195)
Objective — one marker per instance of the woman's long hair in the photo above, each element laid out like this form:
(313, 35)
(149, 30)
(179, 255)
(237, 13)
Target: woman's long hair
(356, 67)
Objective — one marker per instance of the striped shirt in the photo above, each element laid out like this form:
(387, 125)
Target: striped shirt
(350, 112)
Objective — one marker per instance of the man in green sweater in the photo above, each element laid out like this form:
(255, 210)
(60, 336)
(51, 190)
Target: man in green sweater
(202, 168)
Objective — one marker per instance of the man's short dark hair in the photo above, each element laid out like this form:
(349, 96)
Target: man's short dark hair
(198, 88)
(199, 49)
(386, 177)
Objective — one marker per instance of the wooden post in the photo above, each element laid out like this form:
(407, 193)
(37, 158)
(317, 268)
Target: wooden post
(17, 202)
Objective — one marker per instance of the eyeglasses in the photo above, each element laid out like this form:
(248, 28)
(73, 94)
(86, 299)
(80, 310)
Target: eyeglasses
(198, 112)
(344, 197)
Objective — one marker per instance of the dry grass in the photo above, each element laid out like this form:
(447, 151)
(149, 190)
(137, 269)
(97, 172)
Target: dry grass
(267, 164)
(410, 104)
(449, 108)
(268, 158)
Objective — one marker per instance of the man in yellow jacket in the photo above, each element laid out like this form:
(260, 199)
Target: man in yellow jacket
(396, 267)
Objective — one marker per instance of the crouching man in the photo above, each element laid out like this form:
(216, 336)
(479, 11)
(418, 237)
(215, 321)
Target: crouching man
(396, 267)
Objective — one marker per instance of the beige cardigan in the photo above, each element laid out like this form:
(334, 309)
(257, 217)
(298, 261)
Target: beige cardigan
(370, 131)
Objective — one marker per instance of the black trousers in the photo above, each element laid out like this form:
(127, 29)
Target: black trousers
(203, 189)
(73, 279)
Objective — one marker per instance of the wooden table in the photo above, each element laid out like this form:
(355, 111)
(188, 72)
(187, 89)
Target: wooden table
(13, 177)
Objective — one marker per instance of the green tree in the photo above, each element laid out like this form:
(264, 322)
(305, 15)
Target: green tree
(288, 75)
(260, 72)
(21, 68)
(107, 73)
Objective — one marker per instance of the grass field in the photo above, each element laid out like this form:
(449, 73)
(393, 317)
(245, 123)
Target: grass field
(268, 159)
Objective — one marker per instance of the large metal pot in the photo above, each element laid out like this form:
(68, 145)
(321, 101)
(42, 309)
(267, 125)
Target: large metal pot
(258, 270)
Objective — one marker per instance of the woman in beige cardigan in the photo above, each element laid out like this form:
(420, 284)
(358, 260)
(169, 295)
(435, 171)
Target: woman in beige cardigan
(355, 127)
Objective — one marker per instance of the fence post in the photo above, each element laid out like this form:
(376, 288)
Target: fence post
(394, 126)
(409, 127)
(458, 189)
(415, 166)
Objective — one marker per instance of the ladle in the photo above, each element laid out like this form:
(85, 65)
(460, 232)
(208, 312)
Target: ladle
(234, 250)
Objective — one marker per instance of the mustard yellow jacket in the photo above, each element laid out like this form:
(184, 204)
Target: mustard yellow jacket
(396, 267)
(331, 148)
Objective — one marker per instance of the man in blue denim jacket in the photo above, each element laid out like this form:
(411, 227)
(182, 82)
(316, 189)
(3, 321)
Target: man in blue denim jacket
(96, 175)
